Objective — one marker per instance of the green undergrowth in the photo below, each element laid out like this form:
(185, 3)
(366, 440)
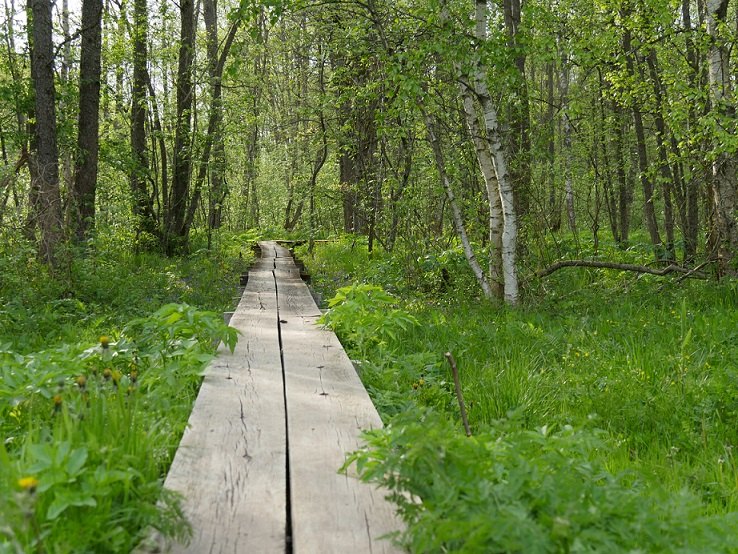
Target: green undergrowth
(99, 365)
(97, 289)
(604, 410)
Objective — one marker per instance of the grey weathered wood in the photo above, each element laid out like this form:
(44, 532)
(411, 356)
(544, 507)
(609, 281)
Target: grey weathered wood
(327, 408)
(231, 466)
(231, 463)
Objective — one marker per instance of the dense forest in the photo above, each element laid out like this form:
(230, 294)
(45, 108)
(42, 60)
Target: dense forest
(547, 188)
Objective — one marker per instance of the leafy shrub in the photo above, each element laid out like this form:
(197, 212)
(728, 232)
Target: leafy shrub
(514, 490)
(365, 316)
(90, 430)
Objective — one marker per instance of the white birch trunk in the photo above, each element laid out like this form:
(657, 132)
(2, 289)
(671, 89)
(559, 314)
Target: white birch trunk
(568, 186)
(458, 219)
(484, 157)
(509, 237)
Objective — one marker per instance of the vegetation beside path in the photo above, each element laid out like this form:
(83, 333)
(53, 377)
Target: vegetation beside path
(99, 366)
(604, 413)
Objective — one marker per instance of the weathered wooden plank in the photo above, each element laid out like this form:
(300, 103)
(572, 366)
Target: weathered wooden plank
(327, 408)
(231, 463)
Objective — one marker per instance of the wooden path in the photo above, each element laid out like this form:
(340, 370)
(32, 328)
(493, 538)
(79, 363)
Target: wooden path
(272, 424)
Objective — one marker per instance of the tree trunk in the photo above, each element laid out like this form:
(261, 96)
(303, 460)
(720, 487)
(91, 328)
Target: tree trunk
(669, 186)
(85, 167)
(493, 135)
(176, 238)
(520, 147)
(571, 213)
(143, 206)
(723, 167)
(48, 209)
(649, 211)
(624, 185)
(455, 211)
(691, 188)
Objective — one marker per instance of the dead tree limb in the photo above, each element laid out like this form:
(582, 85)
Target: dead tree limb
(621, 267)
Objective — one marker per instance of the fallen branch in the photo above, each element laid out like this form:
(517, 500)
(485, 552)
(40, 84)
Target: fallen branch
(673, 268)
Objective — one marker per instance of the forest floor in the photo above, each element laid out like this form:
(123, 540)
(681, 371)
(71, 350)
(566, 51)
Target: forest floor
(604, 411)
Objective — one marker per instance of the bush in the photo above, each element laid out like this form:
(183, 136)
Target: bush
(511, 490)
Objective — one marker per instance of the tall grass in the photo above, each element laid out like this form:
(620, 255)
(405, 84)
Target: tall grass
(651, 364)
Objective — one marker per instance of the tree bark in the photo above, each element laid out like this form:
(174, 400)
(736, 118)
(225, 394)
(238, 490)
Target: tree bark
(176, 237)
(85, 167)
(649, 211)
(520, 146)
(143, 203)
(48, 209)
(455, 211)
(723, 167)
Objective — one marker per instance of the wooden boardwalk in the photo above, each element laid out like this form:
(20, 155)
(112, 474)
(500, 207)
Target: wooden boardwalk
(272, 424)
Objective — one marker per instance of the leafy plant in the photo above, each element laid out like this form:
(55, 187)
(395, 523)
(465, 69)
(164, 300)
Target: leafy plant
(510, 490)
(365, 316)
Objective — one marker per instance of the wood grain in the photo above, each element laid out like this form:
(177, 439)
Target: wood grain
(327, 408)
(231, 465)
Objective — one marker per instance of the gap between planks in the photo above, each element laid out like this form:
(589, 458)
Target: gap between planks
(289, 384)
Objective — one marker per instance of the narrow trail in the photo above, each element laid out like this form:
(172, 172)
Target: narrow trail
(273, 422)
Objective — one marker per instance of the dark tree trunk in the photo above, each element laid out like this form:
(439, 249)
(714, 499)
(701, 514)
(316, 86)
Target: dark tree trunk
(624, 186)
(649, 211)
(85, 167)
(47, 202)
(667, 177)
(143, 202)
(176, 237)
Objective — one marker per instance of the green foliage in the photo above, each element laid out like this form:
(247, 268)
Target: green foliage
(652, 368)
(91, 429)
(364, 316)
(509, 489)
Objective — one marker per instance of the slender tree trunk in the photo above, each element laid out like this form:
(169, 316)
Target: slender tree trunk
(143, 204)
(601, 132)
(46, 156)
(85, 167)
(691, 188)
(553, 201)
(176, 239)
(649, 211)
(571, 213)
(520, 147)
(624, 187)
(667, 177)
(214, 148)
(455, 211)
(494, 214)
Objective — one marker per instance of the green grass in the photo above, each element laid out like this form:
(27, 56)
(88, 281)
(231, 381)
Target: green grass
(652, 365)
(90, 424)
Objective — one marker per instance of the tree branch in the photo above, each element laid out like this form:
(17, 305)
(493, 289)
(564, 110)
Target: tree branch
(621, 267)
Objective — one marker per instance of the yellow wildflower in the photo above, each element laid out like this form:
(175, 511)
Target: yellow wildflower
(28, 483)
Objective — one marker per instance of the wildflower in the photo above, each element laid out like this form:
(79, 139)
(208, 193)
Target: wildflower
(104, 341)
(81, 382)
(116, 375)
(28, 483)
(133, 375)
(107, 373)
(57, 402)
